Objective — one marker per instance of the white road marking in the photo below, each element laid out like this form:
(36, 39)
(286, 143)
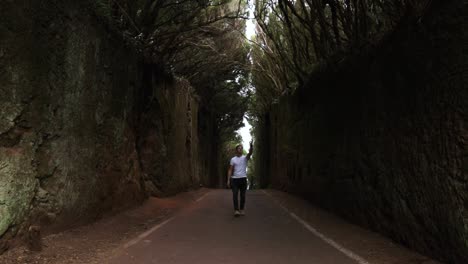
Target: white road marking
(203, 196)
(147, 233)
(327, 240)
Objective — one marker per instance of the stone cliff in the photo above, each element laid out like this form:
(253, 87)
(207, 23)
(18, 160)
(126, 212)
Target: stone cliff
(86, 127)
(382, 138)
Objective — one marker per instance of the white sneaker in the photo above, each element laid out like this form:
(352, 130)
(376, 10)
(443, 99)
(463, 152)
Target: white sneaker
(241, 212)
(237, 213)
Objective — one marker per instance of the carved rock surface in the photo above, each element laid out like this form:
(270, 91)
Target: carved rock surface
(385, 144)
(86, 128)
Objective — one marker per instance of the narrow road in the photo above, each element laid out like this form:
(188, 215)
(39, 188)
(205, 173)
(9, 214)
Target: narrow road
(206, 232)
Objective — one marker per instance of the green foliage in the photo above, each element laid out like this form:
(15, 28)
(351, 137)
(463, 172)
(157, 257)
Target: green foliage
(200, 41)
(165, 29)
(294, 37)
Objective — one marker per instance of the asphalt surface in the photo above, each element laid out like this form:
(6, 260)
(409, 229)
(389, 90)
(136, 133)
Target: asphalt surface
(207, 232)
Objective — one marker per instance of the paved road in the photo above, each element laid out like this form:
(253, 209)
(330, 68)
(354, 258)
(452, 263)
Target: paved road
(206, 232)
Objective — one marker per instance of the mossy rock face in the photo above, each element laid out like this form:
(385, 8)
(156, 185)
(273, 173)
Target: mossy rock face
(17, 140)
(76, 136)
(17, 185)
(9, 111)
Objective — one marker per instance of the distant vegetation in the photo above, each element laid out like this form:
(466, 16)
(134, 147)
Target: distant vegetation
(294, 37)
(201, 41)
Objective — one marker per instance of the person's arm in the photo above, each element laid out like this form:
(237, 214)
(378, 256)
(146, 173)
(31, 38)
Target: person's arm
(229, 174)
(250, 150)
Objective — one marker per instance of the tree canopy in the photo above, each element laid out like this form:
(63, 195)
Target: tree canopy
(294, 36)
(201, 41)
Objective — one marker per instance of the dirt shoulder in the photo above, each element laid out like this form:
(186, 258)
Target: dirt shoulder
(95, 242)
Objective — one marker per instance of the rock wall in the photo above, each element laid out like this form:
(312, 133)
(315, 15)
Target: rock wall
(382, 138)
(170, 149)
(85, 126)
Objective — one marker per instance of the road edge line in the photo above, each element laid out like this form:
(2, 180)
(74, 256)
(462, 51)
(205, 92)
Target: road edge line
(156, 227)
(201, 197)
(147, 233)
(324, 238)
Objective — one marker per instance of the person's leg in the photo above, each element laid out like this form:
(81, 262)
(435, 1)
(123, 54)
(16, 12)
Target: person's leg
(243, 188)
(235, 193)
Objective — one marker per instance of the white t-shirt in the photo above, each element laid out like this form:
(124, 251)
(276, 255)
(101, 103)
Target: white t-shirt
(240, 167)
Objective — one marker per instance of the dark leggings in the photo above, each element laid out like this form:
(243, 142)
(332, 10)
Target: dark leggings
(239, 185)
